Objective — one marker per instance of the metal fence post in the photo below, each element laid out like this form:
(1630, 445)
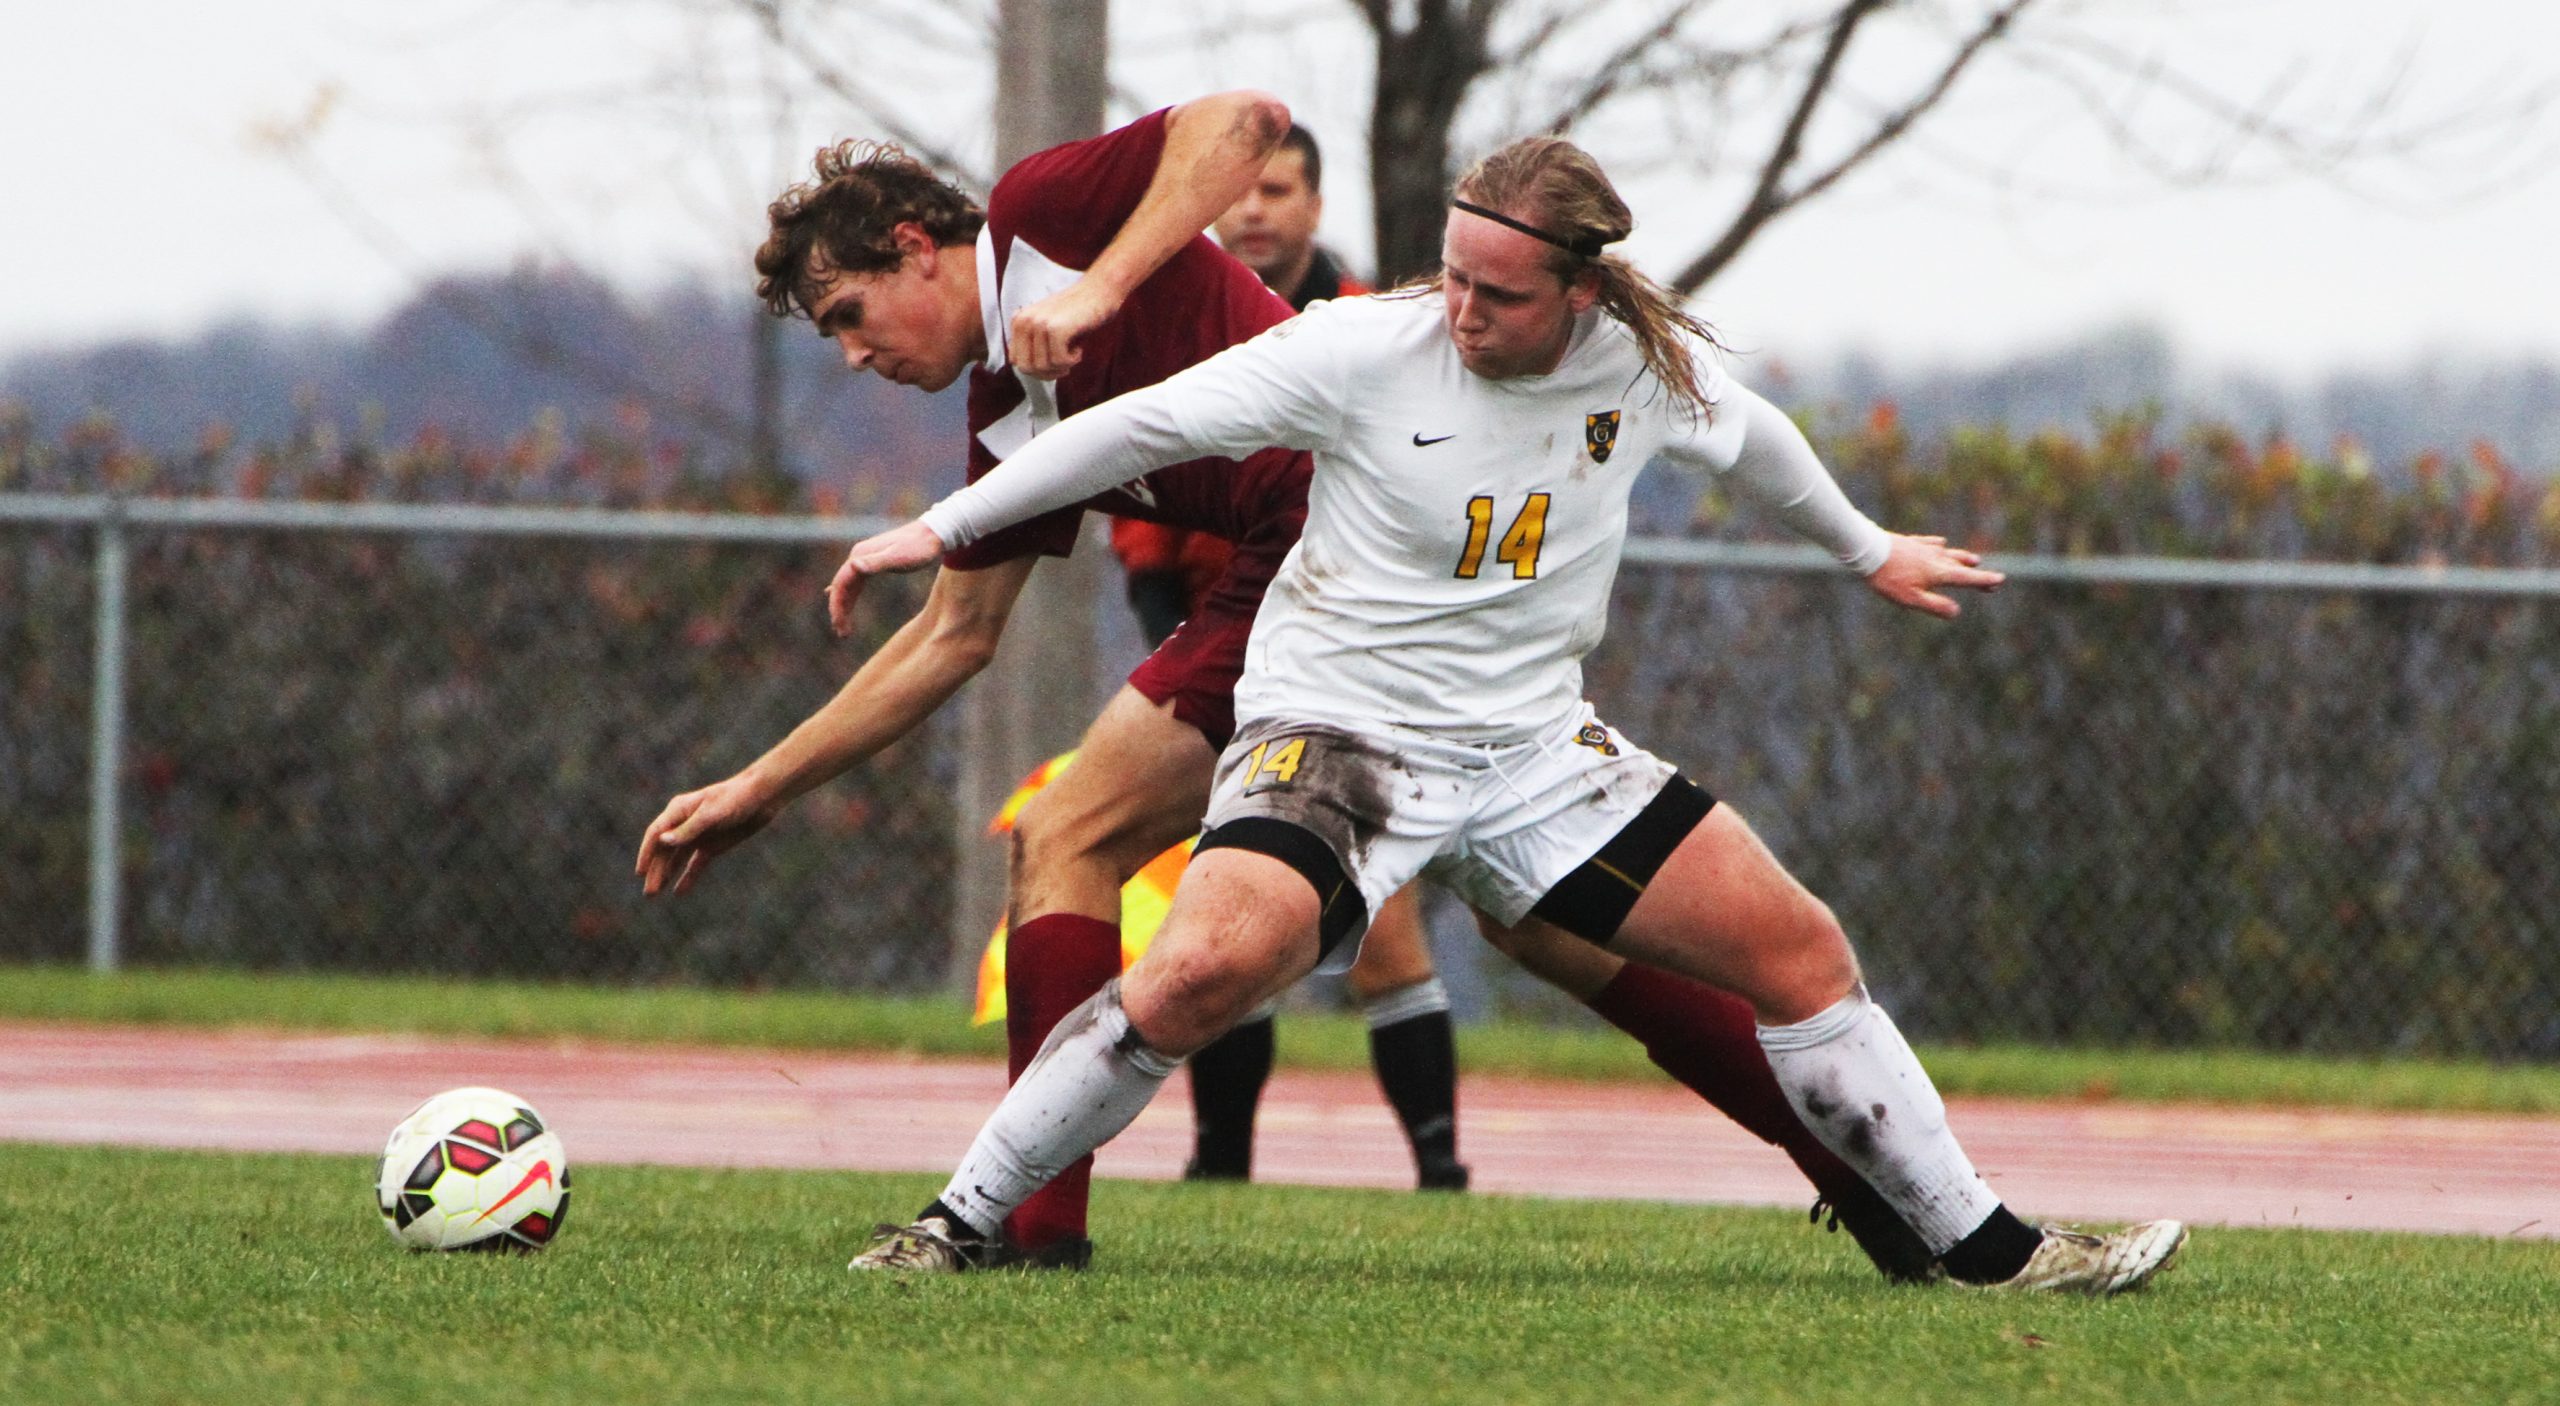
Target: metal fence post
(106, 745)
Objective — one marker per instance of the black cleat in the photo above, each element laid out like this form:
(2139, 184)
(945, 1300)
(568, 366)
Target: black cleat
(1891, 1244)
(1442, 1174)
(1193, 1170)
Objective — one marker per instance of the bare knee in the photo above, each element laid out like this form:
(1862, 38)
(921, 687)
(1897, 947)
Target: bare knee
(1068, 833)
(1807, 975)
(1046, 832)
(1181, 1004)
(1243, 927)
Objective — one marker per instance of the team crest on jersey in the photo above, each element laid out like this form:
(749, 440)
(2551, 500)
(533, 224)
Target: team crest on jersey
(1600, 434)
(1593, 735)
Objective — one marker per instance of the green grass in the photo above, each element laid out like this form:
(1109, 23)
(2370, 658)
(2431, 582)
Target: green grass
(936, 1026)
(150, 1277)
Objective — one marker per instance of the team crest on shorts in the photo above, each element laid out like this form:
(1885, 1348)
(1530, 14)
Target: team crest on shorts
(1593, 735)
(1600, 434)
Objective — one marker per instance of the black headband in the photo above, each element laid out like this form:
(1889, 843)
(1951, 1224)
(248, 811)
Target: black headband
(1589, 246)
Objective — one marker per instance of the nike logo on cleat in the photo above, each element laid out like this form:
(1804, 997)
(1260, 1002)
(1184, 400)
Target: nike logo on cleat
(1419, 441)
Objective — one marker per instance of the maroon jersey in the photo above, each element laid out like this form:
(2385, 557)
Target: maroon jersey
(1064, 206)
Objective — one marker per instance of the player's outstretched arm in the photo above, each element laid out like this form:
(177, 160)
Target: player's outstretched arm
(1768, 459)
(1917, 567)
(921, 666)
(1214, 149)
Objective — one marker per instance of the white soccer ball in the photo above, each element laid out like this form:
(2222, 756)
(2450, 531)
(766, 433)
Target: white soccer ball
(473, 1169)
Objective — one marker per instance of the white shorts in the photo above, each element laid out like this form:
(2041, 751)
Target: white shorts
(1500, 825)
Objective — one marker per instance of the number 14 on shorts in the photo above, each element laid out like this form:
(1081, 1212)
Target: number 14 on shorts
(1274, 763)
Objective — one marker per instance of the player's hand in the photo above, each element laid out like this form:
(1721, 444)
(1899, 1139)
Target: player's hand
(902, 548)
(1917, 566)
(696, 828)
(1042, 340)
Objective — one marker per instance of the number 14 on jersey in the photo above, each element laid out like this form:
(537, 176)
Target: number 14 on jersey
(1520, 543)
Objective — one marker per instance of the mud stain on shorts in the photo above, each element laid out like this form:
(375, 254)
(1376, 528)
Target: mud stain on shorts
(1339, 787)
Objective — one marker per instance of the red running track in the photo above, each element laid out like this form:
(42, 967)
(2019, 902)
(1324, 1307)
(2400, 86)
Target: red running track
(2473, 1175)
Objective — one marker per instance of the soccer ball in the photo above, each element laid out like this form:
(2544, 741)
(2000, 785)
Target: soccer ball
(473, 1169)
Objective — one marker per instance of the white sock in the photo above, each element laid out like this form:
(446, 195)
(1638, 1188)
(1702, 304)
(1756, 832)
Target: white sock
(1092, 1076)
(1856, 1084)
(1424, 997)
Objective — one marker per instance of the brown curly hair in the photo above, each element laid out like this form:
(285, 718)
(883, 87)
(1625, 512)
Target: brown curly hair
(842, 221)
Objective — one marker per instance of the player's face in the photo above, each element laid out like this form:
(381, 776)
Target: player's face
(1274, 225)
(911, 324)
(1509, 314)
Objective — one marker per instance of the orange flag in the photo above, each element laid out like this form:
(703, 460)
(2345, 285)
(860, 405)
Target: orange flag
(1144, 900)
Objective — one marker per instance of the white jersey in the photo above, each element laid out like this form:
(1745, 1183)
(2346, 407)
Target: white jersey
(1462, 533)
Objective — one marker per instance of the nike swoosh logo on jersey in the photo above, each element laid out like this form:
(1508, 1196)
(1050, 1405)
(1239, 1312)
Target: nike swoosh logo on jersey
(1419, 441)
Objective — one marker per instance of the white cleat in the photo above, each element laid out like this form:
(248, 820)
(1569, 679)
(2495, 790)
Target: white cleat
(926, 1247)
(2071, 1262)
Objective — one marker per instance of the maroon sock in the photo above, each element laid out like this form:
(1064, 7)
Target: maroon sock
(1053, 964)
(1706, 1038)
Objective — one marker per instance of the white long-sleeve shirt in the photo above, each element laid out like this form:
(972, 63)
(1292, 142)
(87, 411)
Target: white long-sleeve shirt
(1462, 533)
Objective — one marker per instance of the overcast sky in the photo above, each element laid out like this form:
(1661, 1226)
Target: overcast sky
(168, 164)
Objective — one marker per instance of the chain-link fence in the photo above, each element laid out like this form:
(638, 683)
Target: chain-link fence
(2285, 815)
(2276, 817)
(435, 753)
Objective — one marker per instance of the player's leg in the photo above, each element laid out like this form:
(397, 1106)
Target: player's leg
(1412, 1043)
(1707, 1039)
(1227, 1078)
(1244, 926)
(1138, 785)
(1269, 892)
(1721, 909)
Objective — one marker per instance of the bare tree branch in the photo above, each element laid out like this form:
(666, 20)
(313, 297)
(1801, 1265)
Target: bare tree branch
(769, 14)
(1898, 123)
(1765, 201)
(1611, 71)
(2259, 122)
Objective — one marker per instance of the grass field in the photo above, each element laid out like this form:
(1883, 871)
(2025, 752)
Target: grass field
(187, 1277)
(936, 1026)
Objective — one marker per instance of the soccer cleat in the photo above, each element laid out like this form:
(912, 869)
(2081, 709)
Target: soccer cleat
(1896, 1250)
(934, 1246)
(929, 1246)
(1441, 1174)
(2072, 1262)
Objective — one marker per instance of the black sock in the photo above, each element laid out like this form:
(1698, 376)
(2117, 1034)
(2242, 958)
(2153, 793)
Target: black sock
(1417, 1060)
(1996, 1250)
(961, 1230)
(1226, 1090)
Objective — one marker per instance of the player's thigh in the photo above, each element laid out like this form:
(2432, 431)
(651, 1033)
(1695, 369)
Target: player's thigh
(1573, 964)
(1242, 930)
(1723, 910)
(1397, 951)
(1137, 787)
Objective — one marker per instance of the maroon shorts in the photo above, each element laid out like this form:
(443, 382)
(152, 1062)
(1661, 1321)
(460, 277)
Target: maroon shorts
(1196, 668)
